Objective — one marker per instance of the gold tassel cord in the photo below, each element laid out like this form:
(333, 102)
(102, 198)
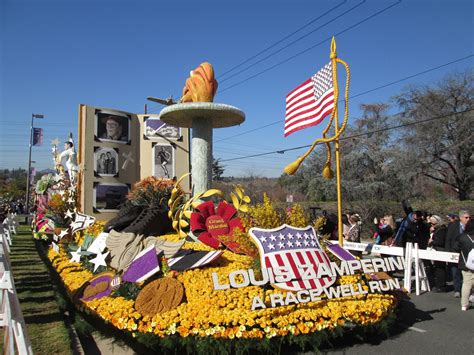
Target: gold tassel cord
(291, 168)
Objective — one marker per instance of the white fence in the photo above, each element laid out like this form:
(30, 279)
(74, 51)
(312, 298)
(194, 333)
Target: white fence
(413, 260)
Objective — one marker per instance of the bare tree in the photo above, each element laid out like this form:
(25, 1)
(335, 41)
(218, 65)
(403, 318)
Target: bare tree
(444, 146)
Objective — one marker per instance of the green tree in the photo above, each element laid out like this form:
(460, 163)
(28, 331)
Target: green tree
(217, 170)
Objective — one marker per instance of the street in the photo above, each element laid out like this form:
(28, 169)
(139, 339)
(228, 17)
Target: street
(431, 323)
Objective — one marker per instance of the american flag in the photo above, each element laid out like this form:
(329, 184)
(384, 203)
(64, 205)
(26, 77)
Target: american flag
(295, 248)
(310, 102)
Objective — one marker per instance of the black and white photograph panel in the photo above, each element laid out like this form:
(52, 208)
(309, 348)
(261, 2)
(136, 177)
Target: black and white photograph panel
(106, 161)
(164, 161)
(155, 128)
(112, 126)
(109, 196)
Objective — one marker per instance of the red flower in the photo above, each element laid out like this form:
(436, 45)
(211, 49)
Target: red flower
(209, 225)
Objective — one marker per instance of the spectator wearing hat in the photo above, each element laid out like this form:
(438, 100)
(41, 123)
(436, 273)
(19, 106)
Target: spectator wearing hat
(113, 129)
(452, 217)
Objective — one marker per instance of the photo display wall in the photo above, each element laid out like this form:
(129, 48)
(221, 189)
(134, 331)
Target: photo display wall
(116, 149)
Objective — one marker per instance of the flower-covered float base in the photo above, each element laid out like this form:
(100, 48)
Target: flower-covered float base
(226, 315)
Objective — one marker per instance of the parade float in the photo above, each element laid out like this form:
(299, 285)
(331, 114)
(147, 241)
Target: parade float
(200, 271)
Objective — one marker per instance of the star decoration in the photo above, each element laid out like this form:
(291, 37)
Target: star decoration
(53, 149)
(99, 260)
(272, 238)
(290, 236)
(63, 234)
(62, 192)
(281, 236)
(290, 244)
(76, 256)
(281, 245)
(55, 141)
(298, 243)
(70, 200)
(298, 235)
(263, 239)
(271, 246)
(69, 214)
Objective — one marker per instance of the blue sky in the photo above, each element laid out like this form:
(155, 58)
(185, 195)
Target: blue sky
(58, 54)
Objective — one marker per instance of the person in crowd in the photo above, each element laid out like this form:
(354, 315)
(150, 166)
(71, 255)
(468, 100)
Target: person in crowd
(384, 229)
(345, 225)
(423, 230)
(353, 235)
(437, 241)
(464, 243)
(452, 217)
(454, 230)
(407, 230)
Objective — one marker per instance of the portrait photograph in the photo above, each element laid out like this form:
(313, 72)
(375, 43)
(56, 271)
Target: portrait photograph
(163, 164)
(106, 161)
(112, 127)
(109, 196)
(155, 128)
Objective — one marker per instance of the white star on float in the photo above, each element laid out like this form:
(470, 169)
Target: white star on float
(290, 236)
(99, 260)
(281, 236)
(298, 244)
(63, 234)
(62, 192)
(306, 236)
(55, 238)
(55, 141)
(263, 239)
(281, 245)
(271, 246)
(290, 244)
(272, 238)
(53, 150)
(69, 214)
(313, 243)
(306, 243)
(76, 256)
(298, 235)
(70, 200)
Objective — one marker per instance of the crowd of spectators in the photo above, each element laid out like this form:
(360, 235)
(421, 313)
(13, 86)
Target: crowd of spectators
(452, 233)
(10, 206)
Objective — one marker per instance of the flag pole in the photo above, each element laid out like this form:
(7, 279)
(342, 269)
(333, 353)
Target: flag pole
(333, 57)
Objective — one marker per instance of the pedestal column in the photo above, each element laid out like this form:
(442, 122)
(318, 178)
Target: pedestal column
(201, 155)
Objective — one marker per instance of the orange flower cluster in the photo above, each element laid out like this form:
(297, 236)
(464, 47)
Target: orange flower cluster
(227, 313)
